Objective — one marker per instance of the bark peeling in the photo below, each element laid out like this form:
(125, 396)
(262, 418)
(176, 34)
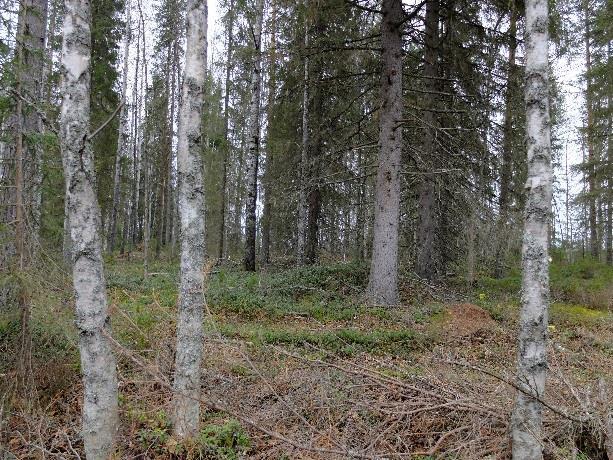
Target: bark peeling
(526, 422)
(100, 419)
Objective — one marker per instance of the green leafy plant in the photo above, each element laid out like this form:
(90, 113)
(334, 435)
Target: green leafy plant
(224, 442)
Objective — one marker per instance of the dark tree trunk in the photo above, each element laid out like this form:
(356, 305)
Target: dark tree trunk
(428, 264)
(383, 280)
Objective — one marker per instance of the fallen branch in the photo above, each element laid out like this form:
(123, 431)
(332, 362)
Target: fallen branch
(549, 406)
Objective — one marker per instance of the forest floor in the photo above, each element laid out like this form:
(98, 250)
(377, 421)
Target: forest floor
(296, 366)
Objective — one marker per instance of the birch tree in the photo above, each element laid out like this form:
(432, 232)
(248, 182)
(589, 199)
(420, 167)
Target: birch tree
(382, 284)
(253, 151)
(92, 320)
(191, 214)
(270, 115)
(526, 423)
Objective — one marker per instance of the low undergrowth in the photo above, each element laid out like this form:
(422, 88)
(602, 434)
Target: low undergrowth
(299, 353)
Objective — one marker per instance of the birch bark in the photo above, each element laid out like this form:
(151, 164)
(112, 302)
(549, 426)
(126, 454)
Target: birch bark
(526, 422)
(268, 174)
(191, 214)
(253, 151)
(382, 284)
(97, 361)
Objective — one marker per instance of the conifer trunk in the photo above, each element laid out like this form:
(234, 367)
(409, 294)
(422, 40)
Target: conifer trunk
(526, 422)
(383, 281)
(428, 262)
(100, 419)
(507, 151)
(591, 153)
(226, 120)
(191, 212)
(304, 156)
(121, 138)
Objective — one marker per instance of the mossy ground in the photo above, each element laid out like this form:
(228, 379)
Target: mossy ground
(317, 313)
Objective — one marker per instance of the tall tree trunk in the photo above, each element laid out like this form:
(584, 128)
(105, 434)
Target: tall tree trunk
(304, 156)
(506, 170)
(191, 211)
(226, 120)
(428, 263)
(121, 137)
(32, 25)
(304, 160)
(100, 419)
(268, 186)
(526, 422)
(237, 230)
(591, 152)
(23, 368)
(609, 195)
(314, 151)
(169, 186)
(33, 28)
(383, 280)
(253, 152)
(361, 212)
(137, 148)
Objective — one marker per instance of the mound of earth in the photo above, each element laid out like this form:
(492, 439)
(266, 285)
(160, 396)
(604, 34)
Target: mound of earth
(467, 319)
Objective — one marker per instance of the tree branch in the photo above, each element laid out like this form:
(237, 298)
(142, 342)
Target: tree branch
(104, 125)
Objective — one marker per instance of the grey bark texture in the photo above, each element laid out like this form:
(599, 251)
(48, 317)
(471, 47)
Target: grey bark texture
(609, 225)
(226, 120)
(191, 214)
(121, 137)
(526, 421)
(268, 173)
(383, 280)
(100, 420)
(30, 58)
(506, 169)
(428, 262)
(253, 149)
(590, 131)
(33, 80)
(304, 158)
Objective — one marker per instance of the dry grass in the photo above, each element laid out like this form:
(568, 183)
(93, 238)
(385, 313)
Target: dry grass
(449, 397)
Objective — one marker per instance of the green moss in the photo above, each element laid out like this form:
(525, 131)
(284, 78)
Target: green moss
(577, 314)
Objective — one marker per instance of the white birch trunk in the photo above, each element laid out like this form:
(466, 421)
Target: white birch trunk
(526, 422)
(382, 284)
(191, 211)
(253, 149)
(97, 362)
